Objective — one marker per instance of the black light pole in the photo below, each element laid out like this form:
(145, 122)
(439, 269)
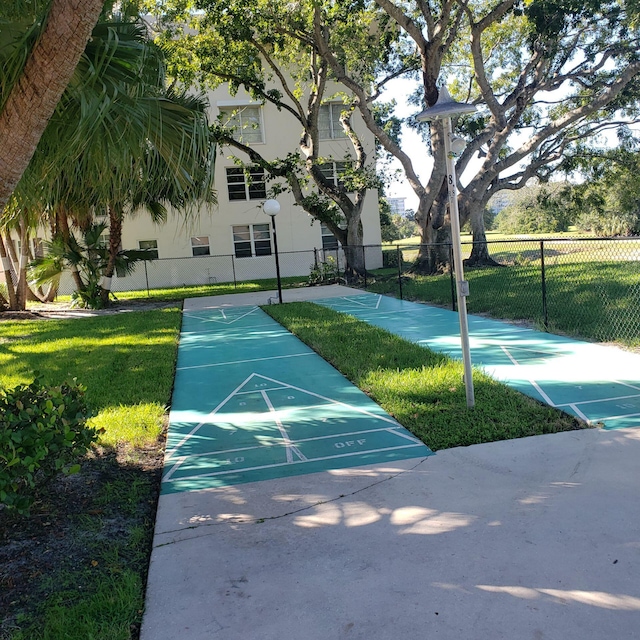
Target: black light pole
(271, 208)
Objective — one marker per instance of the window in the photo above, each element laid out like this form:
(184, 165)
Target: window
(252, 240)
(241, 188)
(151, 246)
(246, 123)
(333, 171)
(329, 126)
(200, 246)
(329, 241)
(38, 248)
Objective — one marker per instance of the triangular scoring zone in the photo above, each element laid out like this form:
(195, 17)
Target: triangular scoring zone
(270, 384)
(223, 318)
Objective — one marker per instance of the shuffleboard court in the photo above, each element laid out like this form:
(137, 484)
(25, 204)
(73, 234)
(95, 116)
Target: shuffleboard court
(596, 383)
(252, 402)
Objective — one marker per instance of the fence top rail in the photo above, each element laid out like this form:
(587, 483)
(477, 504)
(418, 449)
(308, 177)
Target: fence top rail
(522, 240)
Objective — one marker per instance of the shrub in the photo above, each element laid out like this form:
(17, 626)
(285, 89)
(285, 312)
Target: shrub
(324, 272)
(42, 432)
(390, 258)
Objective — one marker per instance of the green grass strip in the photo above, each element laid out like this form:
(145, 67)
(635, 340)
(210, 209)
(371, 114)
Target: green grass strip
(422, 389)
(126, 361)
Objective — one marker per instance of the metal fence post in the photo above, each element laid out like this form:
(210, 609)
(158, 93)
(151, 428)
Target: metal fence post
(545, 313)
(452, 279)
(146, 278)
(399, 270)
(233, 268)
(315, 257)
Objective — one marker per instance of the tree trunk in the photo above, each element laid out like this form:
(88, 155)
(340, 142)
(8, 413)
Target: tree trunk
(115, 238)
(62, 226)
(8, 275)
(480, 251)
(23, 260)
(354, 250)
(34, 96)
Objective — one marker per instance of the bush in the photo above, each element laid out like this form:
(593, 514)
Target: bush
(42, 432)
(324, 272)
(390, 259)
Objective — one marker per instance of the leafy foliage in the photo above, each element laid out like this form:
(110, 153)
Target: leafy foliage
(537, 209)
(42, 432)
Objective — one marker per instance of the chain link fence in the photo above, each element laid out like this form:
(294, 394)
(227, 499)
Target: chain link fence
(584, 287)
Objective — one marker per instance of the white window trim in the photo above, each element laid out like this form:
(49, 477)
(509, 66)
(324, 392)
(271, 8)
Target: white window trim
(156, 249)
(204, 255)
(246, 185)
(228, 105)
(252, 241)
(334, 125)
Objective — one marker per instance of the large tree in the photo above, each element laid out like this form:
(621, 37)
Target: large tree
(38, 83)
(548, 74)
(267, 47)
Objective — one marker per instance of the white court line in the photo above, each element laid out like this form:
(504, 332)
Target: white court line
(580, 414)
(600, 400)
(344, 404)
(366, 306)
(626, 384)
(284, 464)
(224, 327)
(244, 315)
(291, 448)
(224, 452)
(222, 364)
(624, 415)
(533, 383)
(213, 412)
(169, 454)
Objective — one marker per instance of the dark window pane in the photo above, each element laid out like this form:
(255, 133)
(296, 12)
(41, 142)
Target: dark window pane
(201, 251)
(243, 249)
(263, 247)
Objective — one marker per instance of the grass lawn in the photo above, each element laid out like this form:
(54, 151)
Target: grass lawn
(423, 390)
(76, 568)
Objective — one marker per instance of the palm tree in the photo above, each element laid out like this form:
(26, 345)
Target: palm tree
(118, 141)
(33, 90)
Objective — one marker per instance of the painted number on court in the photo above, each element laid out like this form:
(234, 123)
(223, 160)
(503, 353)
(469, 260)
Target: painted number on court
(349, 443)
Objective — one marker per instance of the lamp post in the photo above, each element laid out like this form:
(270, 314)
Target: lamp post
(272, 207)
(443, 109)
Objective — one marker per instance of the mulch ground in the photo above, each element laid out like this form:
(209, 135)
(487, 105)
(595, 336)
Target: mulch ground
(70, 519)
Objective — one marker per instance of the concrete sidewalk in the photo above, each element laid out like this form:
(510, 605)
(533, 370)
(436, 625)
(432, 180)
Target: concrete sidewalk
(525, 539)
(533, 538)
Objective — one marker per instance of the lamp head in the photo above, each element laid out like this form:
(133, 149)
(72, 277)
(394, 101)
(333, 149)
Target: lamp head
(445, 107)
(271, 207)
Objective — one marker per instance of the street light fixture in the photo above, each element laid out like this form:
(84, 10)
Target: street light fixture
(272, 207)
(444, 109)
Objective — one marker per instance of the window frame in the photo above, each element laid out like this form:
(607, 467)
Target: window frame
(141, 248)
(256, 245)
(233, 112)
(336, 132)
(201, 248)
(252, 189)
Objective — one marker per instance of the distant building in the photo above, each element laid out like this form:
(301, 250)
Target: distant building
(397, 206)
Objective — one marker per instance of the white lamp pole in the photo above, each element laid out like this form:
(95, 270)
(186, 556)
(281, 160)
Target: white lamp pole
(272, 207)
(444, 108)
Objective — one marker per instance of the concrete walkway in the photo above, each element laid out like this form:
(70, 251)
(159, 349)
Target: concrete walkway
(533, 538)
